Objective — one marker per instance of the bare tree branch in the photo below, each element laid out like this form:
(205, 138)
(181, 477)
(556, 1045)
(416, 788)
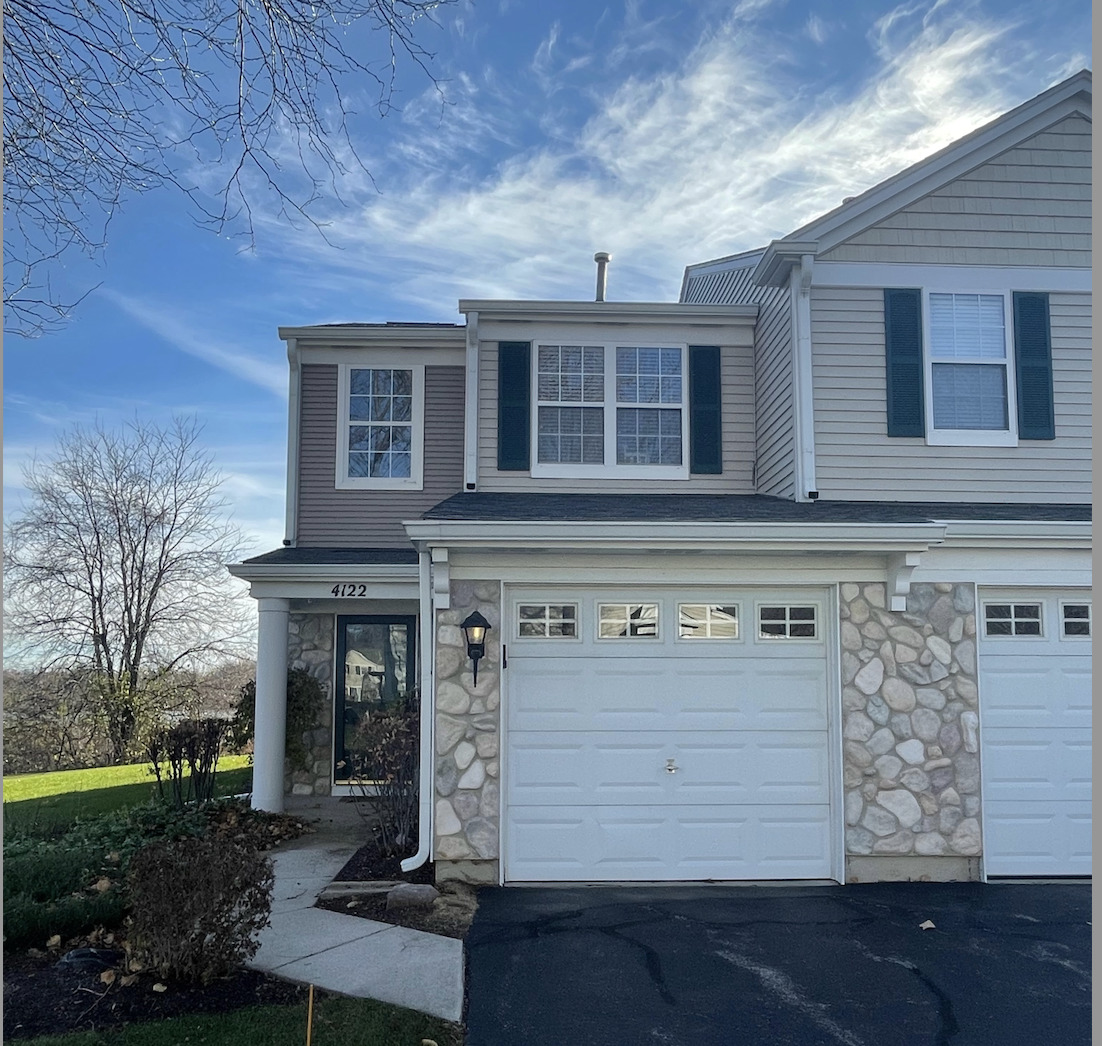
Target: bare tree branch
(106, 98)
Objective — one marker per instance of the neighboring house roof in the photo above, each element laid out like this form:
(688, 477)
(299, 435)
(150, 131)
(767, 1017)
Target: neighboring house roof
(334, 557)
(860, 212)
(732, 508)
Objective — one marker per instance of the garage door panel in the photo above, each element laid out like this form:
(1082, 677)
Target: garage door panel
(1018, 692)
(690, 842)
(1039, 838)
(1023, 765)
(595, 769)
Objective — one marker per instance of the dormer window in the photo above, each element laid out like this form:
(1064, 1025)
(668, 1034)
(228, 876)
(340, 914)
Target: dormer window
(380, 433)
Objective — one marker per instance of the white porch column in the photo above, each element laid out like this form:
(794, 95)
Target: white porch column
(270, 735)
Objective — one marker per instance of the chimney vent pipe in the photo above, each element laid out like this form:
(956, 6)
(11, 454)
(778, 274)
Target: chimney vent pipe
(602, 259)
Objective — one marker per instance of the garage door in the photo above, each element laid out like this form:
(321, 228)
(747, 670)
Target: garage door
(658, 735)
(1035, 715)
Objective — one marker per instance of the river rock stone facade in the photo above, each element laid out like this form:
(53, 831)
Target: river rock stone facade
(910, 746)
(310, 647)
(468, 739)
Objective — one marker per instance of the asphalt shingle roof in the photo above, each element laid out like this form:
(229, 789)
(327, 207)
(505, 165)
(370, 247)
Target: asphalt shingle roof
(335, 556)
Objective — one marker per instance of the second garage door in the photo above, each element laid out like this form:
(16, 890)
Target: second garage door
(666, 735)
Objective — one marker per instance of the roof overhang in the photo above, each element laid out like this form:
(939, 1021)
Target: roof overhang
(778, 259)
(428, 336)
(607, 311)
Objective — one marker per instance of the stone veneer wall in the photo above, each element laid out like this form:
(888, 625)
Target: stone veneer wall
(468, 739)
(310, 646)
(911, 752)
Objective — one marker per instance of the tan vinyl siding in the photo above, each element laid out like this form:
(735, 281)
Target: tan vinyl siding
(855, 459)
(328, 517)
(774, 425)
(737, 370)
(1029, 206)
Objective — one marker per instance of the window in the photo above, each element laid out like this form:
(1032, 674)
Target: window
(380, 435)
(968, 362)
(627, 621)
(1012, 619)
(786, 622)
(605, 409)
(547, 620)
(1075, 620)
(706, 621)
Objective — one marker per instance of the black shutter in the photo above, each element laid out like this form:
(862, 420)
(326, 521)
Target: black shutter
(705, 412)
(1033, 366)
(514, 424)
(903, 348)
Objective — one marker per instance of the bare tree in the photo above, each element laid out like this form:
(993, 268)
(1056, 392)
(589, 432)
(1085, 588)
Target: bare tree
(111, 97)
(117, 565)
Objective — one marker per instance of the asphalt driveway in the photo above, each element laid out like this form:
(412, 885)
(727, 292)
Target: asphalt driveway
(1003, 964)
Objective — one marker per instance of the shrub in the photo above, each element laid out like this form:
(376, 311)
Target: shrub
(30, 922)
(305, 697)
(197, 905)
(185, 758)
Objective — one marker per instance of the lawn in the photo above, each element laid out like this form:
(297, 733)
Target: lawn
(41, 803)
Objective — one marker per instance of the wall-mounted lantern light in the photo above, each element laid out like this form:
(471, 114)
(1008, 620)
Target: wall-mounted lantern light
(475, 628)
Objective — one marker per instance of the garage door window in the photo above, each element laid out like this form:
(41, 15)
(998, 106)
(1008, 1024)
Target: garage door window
(627, 620)
(787, 622)
(1012, 619)
(707, 621)
(547, 620)
(1075, 620)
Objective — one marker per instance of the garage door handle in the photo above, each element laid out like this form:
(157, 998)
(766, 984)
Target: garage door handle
(671, 767)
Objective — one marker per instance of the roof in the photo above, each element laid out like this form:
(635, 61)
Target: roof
(282, 557)
(729, 508)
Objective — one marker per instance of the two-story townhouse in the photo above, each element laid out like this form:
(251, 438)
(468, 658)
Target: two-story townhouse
(786, 580)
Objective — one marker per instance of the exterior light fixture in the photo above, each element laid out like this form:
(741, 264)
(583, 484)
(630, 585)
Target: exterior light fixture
(475, 628)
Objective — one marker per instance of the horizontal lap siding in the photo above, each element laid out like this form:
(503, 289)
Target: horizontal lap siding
(856, 459)
(737, 368)
(328, 517)
(1029, 206)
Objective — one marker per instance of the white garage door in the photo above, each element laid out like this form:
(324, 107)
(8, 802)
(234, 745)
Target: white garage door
(1035, 715)
(657, 735)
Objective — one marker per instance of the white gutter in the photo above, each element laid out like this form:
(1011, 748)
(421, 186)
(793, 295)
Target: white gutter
(329, 572)
(470, 406)
(426, 775)
(294, 426)
(802, 385)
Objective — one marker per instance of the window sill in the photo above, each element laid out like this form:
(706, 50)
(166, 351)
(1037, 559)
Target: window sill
(970, 438)
(659, 472)
(379, 484)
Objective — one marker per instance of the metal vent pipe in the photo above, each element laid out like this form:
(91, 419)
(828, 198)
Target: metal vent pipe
(602, 258)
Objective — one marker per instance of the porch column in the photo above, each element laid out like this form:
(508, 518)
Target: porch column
(270, 735)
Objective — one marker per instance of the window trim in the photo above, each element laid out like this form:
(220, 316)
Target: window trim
(1064, 637)
(818, 620)
(656, 603)
(1042, 611)
(740, 631)
(609, 469)
(576, 637)
(1007, 437)
(415, 480)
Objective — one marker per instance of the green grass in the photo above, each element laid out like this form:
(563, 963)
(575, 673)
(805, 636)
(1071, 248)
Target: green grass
(40, 804)
(337, 1022)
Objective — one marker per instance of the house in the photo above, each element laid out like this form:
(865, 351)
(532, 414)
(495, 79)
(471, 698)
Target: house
(788, 579)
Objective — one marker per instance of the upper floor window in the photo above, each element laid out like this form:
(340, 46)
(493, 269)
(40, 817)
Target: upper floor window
(614, 409)
(380, 434)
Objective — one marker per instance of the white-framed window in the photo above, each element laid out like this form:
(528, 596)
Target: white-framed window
(707, 621)
(788, 621)
(610, 410)
(547, 620)
(1012, 619)
(380, 426)
(1075, 620)
(969, 369)
(627, 620)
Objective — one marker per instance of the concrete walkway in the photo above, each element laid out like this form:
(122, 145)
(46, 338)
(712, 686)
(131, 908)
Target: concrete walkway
(343, 953)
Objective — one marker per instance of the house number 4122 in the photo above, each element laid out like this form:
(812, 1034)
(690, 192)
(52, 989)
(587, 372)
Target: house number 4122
(349, 590)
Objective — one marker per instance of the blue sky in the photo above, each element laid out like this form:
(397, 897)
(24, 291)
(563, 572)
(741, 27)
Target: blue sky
(664, 131)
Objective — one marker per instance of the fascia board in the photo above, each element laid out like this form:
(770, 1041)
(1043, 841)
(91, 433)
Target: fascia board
(1018, 533)
(954, 161)
(778, 258)
(612, 312)
(366, 572)
(399, 337)
(731, 261)
(831, 537)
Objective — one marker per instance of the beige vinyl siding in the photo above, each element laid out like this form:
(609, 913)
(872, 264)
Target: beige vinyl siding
(737, 394)
(1029, 206)
(774, 426)
(855, 459)
(331, 518)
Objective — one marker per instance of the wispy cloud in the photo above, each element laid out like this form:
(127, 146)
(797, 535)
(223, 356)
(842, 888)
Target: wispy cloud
(184, 333)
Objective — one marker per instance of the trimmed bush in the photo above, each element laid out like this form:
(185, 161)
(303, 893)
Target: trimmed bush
(197, 905)
(305, 697)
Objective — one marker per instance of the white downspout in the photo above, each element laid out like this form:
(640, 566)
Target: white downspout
(426, 774)
(804, 413)
(470, 407)
(294, 426)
